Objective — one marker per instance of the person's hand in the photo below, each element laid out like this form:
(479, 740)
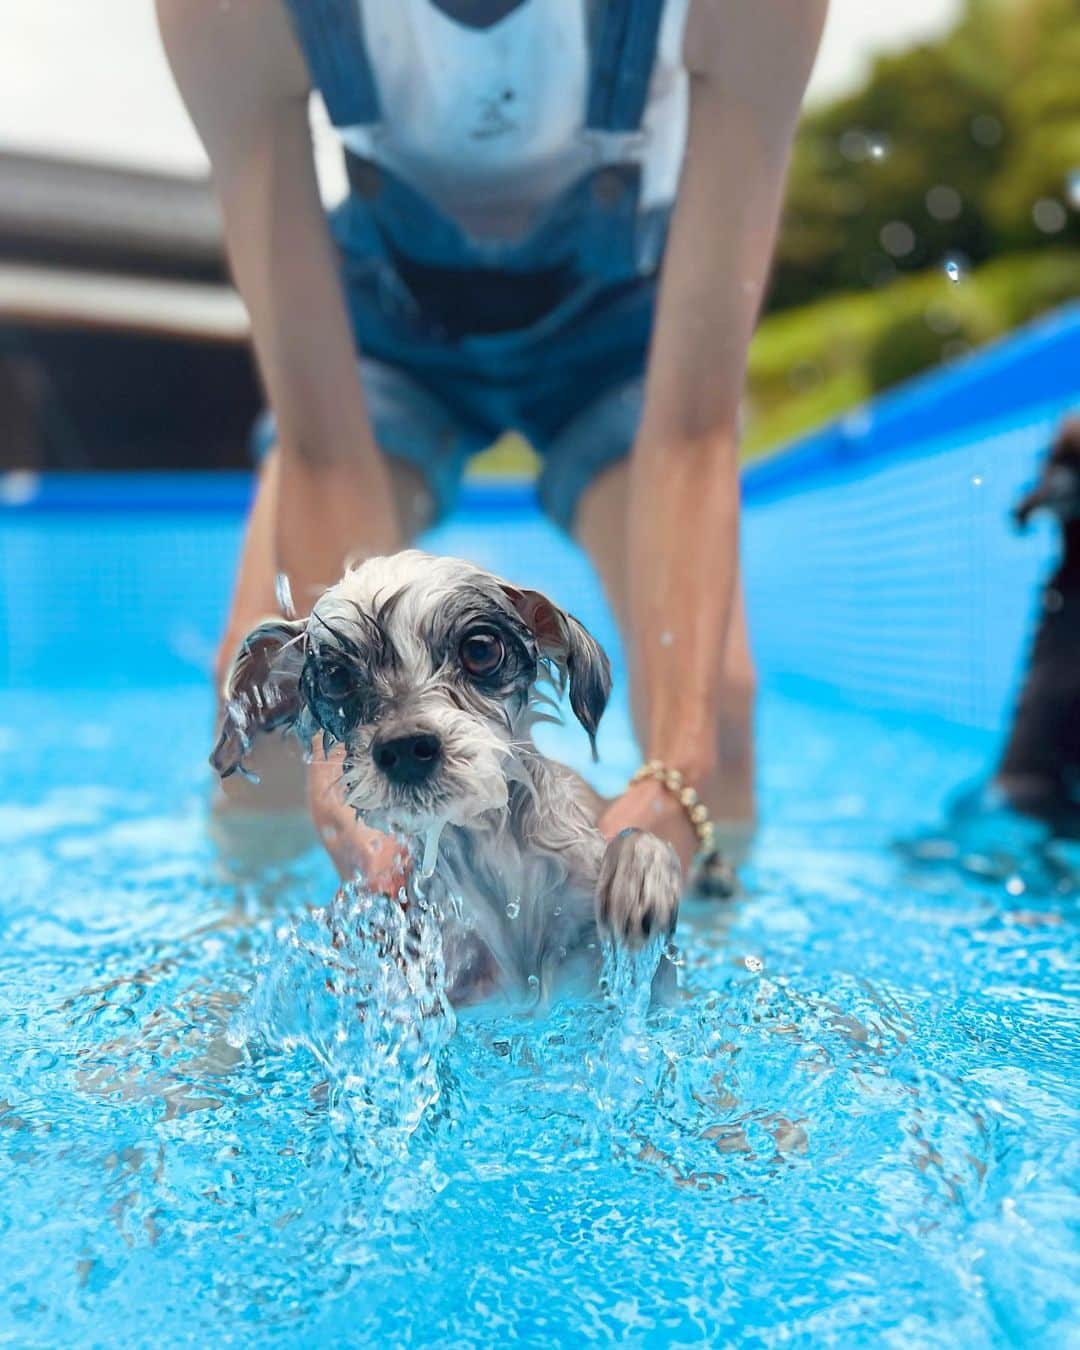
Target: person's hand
(380, 860)
(648, 805)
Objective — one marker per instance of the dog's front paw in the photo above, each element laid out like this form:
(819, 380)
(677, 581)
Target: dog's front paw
(637, 894)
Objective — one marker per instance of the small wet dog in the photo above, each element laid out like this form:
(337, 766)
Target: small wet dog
(1039, 773)
(430, 673)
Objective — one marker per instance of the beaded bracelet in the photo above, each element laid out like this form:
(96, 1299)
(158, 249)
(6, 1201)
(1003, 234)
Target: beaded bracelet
(696, 810)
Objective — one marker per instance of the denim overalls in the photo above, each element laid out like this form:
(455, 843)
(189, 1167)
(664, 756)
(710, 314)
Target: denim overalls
(545, 332)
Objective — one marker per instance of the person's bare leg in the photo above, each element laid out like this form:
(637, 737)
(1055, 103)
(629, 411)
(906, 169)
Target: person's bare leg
(601, 530)
(272, 819)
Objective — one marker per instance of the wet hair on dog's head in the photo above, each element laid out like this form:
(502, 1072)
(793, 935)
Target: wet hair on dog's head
(414, 658)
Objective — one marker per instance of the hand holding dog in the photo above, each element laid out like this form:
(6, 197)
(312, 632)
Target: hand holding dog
(648, 805)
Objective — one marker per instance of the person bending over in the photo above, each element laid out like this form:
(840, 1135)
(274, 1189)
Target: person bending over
(560, 220)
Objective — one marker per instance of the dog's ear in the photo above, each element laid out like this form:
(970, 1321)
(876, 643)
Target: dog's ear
(570, 646)
(262, 691)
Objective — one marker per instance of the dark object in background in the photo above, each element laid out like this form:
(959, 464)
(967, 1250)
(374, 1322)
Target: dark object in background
(1040, 769)
(122, 344)
(73, 400)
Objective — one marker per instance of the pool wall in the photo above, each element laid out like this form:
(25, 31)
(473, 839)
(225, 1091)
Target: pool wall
(879, 556)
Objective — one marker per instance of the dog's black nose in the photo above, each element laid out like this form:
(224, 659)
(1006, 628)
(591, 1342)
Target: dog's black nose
(408, 760)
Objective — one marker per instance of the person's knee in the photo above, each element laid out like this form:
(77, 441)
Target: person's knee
(599, 514)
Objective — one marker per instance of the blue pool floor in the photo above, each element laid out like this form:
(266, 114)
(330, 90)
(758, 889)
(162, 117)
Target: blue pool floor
(858, 1127)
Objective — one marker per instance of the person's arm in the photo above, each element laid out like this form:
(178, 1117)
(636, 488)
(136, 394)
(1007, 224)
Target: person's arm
(748, 64)
(246, 86)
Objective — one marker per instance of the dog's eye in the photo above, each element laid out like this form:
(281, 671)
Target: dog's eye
(334, 682)
(482, 653)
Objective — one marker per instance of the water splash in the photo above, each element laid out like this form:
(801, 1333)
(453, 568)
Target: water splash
(626, 1061)
(854, 1142)
(430, 855)
(360, 987)
(283, 593)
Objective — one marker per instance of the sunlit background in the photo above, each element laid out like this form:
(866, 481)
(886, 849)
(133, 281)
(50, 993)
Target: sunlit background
(933, 206)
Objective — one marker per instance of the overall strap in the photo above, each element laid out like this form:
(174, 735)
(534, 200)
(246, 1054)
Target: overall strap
(624, 54)
(331, 35)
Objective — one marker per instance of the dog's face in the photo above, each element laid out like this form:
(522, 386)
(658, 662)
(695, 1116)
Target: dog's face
(1058, 490)
(425, 670)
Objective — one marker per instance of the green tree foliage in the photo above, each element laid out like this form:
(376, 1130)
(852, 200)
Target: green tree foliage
(963, 147)
(1029, 200)
(814, 363)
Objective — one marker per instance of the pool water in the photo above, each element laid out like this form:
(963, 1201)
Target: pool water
(857, 1125)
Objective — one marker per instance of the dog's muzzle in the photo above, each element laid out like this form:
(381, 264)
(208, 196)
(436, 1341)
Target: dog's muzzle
(407, 760)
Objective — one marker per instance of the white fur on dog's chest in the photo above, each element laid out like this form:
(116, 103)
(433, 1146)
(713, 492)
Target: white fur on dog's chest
(523, 908)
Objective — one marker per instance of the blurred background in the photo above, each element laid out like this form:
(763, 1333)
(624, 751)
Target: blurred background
(934, 205)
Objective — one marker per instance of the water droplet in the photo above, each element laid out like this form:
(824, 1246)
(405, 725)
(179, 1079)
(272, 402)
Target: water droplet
(754, 964)
(283, 592)
(976, 480)
(944, 202)
(855, 145)
(19, 487)
(1053, 600)
(898, 238)
(1015, 886)
(534, 982)
(38, 1061)
(1072, 189)
(858, 422)
(954, 269)
(986, 130)
(940, 319)
(878, 146)
(513, 908)
(1049, 215)
(666, 639)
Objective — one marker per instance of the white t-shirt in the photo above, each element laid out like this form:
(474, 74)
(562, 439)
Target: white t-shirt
(489, 123)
